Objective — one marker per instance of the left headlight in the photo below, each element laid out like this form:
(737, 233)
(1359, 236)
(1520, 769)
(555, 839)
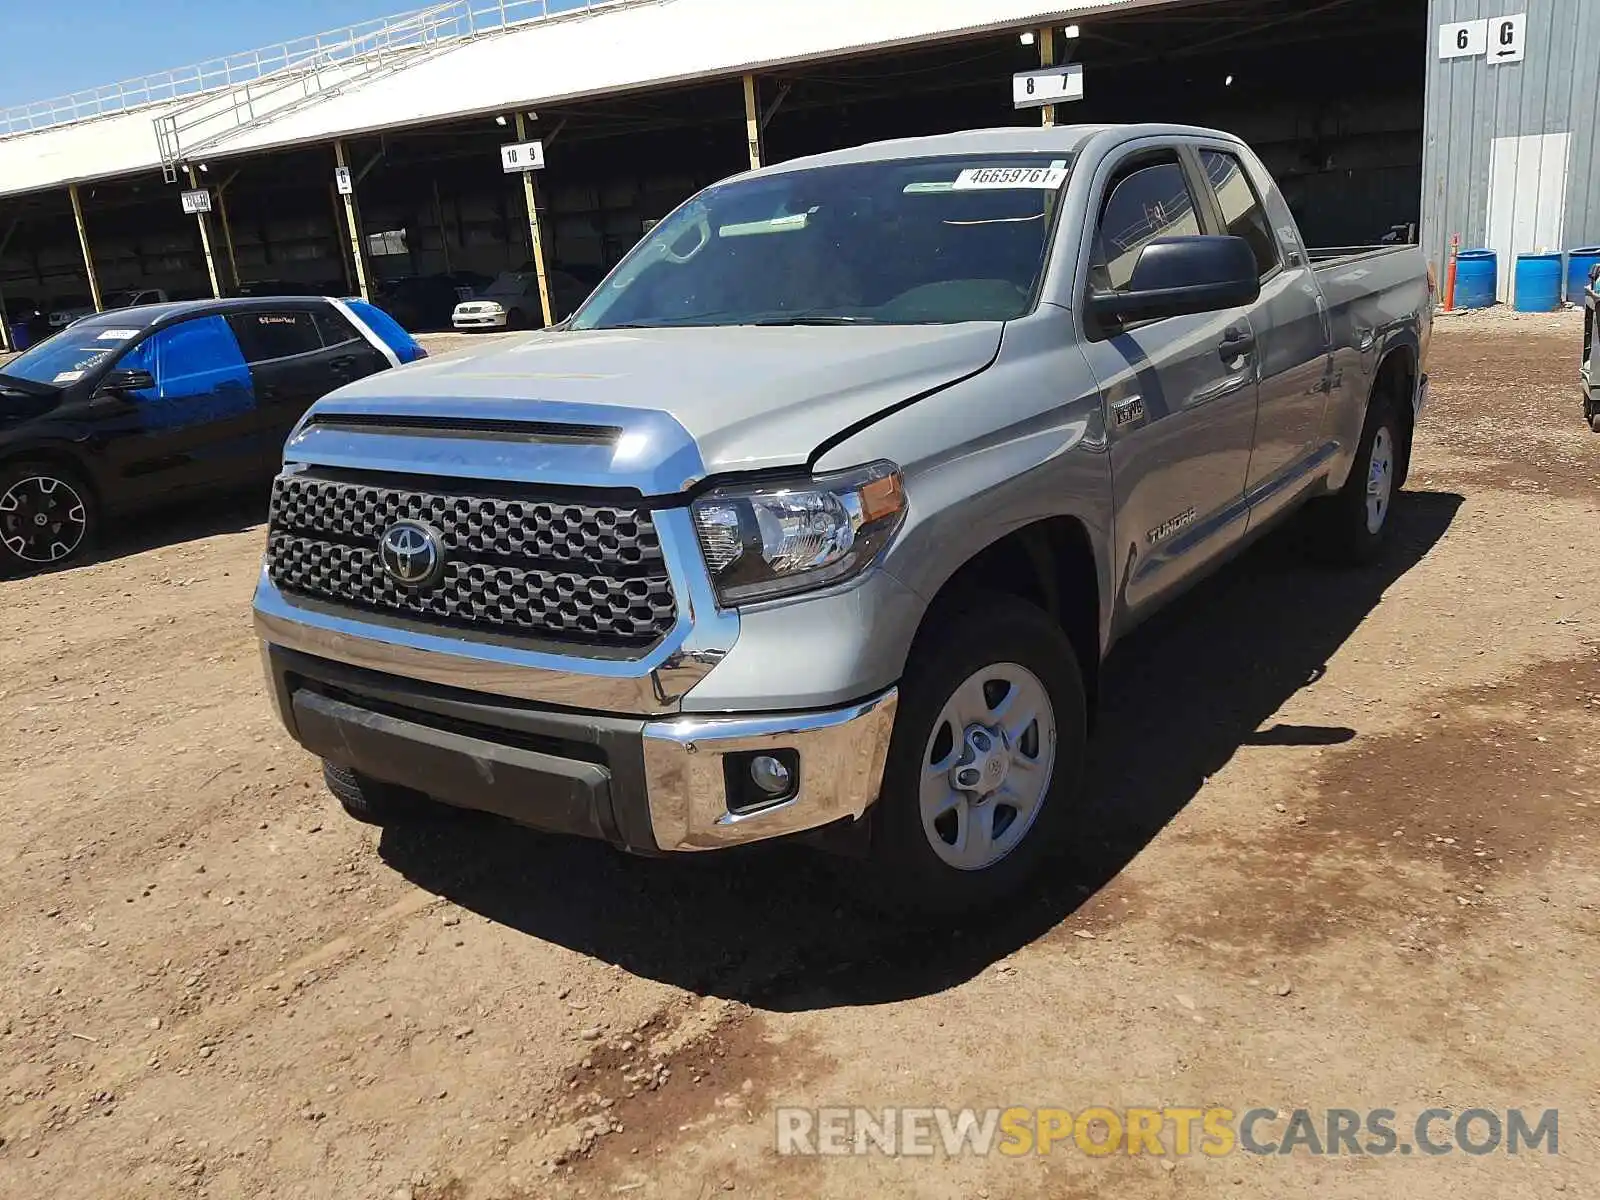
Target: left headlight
(781, 538)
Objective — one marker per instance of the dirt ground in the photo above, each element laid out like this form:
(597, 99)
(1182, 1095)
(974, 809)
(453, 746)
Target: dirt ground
(1362, 869)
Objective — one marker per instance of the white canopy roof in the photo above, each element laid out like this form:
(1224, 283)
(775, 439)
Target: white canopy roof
(624, 48)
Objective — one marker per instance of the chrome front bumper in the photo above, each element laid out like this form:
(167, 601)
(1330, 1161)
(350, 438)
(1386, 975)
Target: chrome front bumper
(647, 786)
(841, 753)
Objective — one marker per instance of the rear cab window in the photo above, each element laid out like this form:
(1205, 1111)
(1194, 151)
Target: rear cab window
(1243, 214)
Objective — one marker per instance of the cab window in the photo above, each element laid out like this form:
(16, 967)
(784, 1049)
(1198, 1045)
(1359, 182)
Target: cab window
(1148, 199)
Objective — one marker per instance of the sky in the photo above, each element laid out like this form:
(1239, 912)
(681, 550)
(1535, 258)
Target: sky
(54, 49)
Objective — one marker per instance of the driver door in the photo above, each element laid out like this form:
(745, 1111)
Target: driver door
(1180, 393)
(197, 426)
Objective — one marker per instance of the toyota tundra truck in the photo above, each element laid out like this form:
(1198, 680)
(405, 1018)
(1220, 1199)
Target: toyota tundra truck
(819, 517)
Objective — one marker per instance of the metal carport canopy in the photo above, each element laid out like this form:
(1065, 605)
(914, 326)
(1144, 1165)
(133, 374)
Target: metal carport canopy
(627, 48)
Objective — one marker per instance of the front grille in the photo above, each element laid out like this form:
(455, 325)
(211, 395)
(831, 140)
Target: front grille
(542, 568)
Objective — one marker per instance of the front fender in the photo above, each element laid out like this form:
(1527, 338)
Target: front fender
(1020, 443)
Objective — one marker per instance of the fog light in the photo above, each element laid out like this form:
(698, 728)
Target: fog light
(760, 779)
(770, 775)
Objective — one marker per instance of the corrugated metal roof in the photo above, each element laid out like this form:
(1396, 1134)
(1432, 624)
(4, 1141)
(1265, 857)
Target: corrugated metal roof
(671, 41)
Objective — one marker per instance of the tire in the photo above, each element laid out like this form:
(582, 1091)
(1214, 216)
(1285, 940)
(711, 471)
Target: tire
(48, 517)
(1594, 420)
(371, 801)
(927, 845)
(516, 319)
(1354, 524)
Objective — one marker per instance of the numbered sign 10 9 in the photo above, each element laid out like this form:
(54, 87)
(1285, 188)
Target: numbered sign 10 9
(524, 156)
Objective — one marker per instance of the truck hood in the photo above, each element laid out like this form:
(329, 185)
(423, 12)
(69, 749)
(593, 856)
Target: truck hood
(751, 398)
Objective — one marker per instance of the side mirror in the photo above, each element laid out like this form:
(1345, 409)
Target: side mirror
(127, 381)
(1177, 276)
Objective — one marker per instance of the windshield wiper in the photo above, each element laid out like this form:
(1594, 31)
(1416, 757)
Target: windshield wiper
(28, 387)
(816, 319)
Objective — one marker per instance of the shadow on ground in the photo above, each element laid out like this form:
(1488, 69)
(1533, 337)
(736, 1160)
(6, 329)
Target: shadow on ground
(786, 929)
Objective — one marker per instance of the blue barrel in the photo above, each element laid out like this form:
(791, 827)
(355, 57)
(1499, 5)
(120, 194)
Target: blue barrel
(1538, 283)
(1477, 273)
(1579, 263)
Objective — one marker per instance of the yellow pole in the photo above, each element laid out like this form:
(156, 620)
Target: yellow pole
(205, 242)
(752, 122)
(353, 216)
(83, 240)
(536, 242)
(1047, 58)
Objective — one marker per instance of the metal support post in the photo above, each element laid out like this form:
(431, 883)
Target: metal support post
(353, 216)
(536, 242)
(752, 122)
(227, 228)
(1047, 58)
(205, 241)
(5, 317)
(83, 241)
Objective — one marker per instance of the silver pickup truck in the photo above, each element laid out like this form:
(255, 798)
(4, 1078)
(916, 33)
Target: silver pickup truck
(820, 515)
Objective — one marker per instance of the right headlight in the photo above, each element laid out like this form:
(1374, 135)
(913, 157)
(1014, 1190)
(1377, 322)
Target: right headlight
(777, 539)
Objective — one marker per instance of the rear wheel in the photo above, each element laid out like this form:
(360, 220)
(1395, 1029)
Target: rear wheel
(47, 517)
(1355, 522)
(516, 319)
(372, 801)
(1594, 420)
(986, 757)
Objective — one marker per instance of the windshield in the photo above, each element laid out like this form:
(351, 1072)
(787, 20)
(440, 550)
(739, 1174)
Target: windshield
(70, 354)
(913, 241)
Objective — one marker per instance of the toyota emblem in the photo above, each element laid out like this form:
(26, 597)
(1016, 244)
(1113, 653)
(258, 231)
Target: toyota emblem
(412, 554)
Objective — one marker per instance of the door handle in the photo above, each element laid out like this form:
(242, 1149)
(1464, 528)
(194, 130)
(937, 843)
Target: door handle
(342, 366)
(1237, 343)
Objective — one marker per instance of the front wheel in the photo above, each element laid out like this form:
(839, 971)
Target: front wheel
(986, 757)
(371, 801)
(47, 517)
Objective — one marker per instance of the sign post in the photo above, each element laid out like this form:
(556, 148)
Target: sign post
(526, 158)
(346, 188)
(197, 200)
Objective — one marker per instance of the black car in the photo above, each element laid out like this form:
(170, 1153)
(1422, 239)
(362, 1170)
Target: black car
(129, 409)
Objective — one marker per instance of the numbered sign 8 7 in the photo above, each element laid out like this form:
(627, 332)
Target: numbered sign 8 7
(1054, 85)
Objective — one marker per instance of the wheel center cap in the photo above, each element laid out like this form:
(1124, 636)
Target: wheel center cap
(984, 763)
(40, 520)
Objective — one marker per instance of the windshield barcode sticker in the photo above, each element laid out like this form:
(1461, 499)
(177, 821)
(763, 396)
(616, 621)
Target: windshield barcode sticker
(68, 377)
(118, 335)
(981, 178)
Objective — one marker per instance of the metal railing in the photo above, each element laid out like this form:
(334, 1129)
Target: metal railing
(404, 32)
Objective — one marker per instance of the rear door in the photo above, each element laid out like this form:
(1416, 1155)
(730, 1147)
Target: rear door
(1180, 393)
(291, 366)
(1292, 336)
